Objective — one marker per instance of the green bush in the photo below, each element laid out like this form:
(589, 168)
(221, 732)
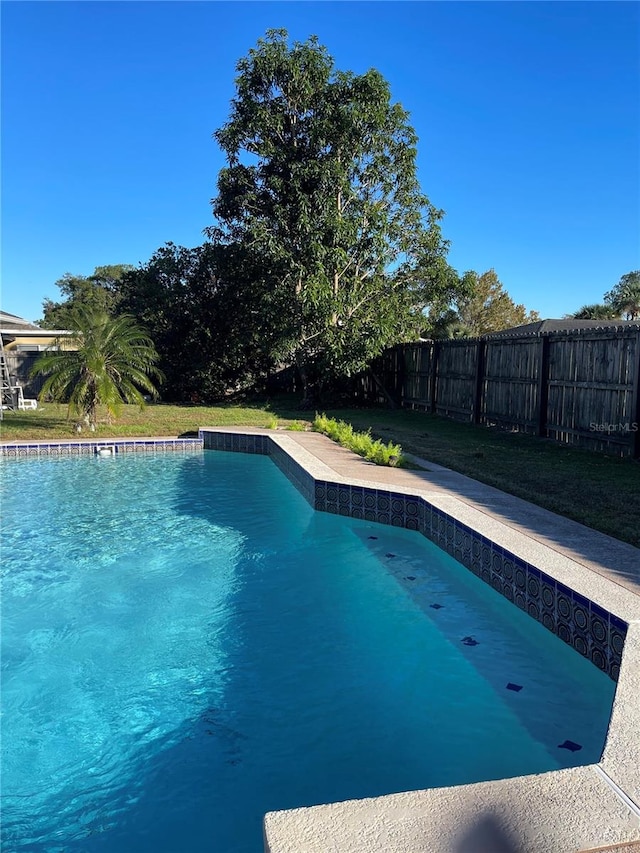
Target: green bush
(360, 442)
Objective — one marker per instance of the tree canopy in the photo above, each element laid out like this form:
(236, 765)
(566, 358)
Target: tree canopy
(624, 298)
(99, 291)
(481, 306)
(201, 307)
(489, 308)
(324, 252)
(321, 181)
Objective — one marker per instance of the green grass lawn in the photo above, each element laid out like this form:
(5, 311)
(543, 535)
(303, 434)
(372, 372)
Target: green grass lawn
(600, 491)
(50, 421)
(597, 490)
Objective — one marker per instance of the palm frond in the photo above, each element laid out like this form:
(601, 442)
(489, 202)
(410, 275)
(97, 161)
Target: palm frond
(106, 361)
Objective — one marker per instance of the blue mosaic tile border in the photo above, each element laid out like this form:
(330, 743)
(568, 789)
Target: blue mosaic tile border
(592, 631)
(236, 443)
(90, 448)
(379, 505)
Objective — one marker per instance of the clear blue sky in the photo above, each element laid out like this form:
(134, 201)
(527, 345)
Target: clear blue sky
(527, 114)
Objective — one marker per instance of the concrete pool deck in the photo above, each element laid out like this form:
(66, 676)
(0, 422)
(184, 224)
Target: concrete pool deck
(582, 808)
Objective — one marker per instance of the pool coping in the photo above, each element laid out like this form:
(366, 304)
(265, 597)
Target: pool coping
(558, 811)
(94, 446)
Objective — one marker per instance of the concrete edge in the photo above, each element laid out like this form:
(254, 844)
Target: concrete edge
(558, 812)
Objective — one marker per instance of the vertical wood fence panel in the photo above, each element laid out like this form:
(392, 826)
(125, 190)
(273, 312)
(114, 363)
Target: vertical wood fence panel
(591, 389)
(579, 387)
(456, 379)
(418, 366)
(510, 386)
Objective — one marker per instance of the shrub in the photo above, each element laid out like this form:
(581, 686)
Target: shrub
(359, 442)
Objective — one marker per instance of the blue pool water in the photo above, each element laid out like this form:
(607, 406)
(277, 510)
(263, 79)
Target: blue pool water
(187, 645)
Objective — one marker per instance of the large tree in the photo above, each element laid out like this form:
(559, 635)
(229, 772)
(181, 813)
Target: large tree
(624, 298)
(106, 362)
(321, 182)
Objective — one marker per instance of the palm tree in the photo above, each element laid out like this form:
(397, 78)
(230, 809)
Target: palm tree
(596, 311)
(106, 361)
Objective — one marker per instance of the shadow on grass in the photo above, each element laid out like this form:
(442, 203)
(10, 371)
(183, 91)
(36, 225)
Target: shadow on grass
(38, 420)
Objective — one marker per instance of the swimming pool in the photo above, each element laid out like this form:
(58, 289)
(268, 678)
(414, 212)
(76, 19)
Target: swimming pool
(188, 645)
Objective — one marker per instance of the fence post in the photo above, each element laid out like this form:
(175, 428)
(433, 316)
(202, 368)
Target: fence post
(635, 407)
(435, 353)
(400, 373)
(543, 385)
(481, 348)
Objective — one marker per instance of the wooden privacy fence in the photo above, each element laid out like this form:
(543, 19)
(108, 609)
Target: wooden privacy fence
(578, 387)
